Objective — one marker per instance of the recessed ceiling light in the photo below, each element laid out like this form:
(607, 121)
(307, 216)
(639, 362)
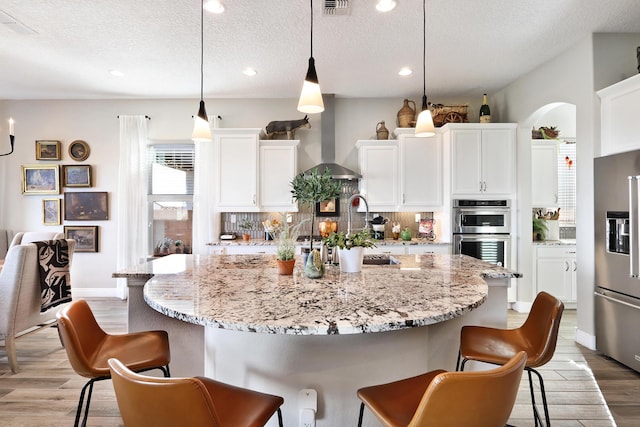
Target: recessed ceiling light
(405, 71)
(385, 5)
(116, 73)
(249, 72)
(214, 6)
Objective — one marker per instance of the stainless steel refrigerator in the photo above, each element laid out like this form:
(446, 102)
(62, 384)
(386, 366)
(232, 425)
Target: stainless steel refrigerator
(617, 257)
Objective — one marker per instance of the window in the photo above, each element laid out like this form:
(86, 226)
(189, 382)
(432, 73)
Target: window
(170, 197)
(567, 183)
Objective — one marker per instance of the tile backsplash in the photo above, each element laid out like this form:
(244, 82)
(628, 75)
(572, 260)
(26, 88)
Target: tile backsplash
(406, 219)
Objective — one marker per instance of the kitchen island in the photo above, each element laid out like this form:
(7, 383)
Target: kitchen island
(282, 334)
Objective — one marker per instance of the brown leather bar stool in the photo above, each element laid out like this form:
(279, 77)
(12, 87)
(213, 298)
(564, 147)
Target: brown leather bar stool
(447, 399)
(89, 348)
(194, 402)
(537, 336)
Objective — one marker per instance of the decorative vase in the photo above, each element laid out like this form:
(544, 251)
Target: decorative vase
(285, 268)
(314, 268)
(405, 234)
(381, 131)
(178, 250)
(406, 115)
(351, 259)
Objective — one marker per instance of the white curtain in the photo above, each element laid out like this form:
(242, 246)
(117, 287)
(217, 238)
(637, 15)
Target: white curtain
(206, 221)
(132, 195)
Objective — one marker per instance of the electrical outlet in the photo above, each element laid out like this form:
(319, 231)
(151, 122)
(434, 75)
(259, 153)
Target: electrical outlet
(233, 219)
(289, 218)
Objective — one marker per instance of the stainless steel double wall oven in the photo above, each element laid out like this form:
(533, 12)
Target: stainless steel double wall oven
(482, 229)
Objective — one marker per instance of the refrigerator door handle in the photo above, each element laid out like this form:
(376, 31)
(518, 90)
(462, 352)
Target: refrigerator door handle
(608, 298)
(633, 229)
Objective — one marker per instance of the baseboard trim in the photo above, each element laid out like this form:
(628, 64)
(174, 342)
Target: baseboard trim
(96, 293)
(521, 306)
(586, 339)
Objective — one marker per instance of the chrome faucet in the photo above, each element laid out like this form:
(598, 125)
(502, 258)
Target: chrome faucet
(366, 215)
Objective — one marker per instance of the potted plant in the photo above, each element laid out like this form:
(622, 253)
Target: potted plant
(351, 248)
(311, 187)
(285, 238)
(539, 228)
(178, 244)
(248, 225)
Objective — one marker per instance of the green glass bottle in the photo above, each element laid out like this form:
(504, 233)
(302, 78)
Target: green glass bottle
(485, 112)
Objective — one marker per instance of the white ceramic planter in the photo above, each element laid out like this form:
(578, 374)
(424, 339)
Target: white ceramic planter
(351, 259)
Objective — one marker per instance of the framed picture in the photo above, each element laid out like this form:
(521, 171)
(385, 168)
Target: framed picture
(86, 206)
(79, 150)
(47, 150)
(39, 179)
(328, 207)
(86, 237)
(76, 176)
(51, 211)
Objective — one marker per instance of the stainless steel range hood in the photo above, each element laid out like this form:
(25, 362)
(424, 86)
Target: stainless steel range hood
(328, 143)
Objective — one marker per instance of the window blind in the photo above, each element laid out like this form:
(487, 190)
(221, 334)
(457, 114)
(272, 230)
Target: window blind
(567, 183)
(171, 169)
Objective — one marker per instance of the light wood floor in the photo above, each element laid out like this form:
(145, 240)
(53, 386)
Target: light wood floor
(45, 391)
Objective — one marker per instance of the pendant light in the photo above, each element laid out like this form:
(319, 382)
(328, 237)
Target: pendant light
(424, 126)
(311, 97)
(11, 137)
(201, 129)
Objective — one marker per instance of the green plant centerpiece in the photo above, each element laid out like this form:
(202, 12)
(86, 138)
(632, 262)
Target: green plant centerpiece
(248, 225)
(351, 248)
(311, 187)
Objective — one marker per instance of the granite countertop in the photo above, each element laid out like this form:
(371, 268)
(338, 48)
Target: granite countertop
(385, 242)
(563, 242)
(245, 293)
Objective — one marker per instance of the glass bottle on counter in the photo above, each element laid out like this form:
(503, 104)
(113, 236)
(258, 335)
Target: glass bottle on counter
(485, 111)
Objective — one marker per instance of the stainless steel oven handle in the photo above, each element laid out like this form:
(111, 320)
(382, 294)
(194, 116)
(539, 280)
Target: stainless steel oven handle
(608, 298)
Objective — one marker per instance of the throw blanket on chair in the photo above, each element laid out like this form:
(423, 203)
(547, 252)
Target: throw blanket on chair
(55, 286)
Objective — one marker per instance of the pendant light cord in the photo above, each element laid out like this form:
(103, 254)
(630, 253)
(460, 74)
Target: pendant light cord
(424, 52)
(201, 49)
(311, 3)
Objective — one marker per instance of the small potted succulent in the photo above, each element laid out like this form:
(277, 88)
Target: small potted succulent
(351, 248)
(247, 225)
(178, 244)
(285, 239)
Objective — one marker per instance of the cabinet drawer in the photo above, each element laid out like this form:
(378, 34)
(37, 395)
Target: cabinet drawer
(556, 252)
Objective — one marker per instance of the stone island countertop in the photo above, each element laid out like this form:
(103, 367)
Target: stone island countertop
(245, 293)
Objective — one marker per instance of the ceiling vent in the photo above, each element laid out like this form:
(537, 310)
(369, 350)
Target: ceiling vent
(336, 7)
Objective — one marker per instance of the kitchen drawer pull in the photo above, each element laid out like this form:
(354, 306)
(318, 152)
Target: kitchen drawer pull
(598, 294)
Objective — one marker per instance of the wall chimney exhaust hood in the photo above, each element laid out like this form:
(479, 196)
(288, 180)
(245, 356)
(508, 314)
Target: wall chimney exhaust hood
(328, 143)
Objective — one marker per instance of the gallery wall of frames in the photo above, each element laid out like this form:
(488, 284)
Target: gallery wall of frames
(63, 188)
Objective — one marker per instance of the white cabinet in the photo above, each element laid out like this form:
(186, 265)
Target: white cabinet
(482, 158)
(250, 250)
(237, 166)
(619, 116)
(379, 166)
(386, 250)
(402, 175)
(278, 167)
(420, 171)
(556, 271)
(544, 181)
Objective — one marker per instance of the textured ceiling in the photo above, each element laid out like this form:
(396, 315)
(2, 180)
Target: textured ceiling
(472, 46)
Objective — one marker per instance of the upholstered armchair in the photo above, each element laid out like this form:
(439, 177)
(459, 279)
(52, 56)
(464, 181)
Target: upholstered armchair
(20, 297)
(24, 237)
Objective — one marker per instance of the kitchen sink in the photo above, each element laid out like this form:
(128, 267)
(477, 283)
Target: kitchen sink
(379, 260)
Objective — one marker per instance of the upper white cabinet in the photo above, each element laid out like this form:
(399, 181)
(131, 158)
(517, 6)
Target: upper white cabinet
(403, 174)
(379, 167)
(278, 167)
(544, 182)
(482, 158)
(237, 165)
(420, 171)
(619, 116)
